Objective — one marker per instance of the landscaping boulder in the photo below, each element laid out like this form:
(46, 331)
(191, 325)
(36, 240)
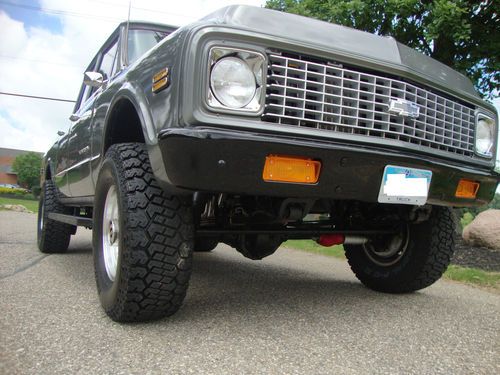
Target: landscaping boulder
(484, 230)
(15, 207)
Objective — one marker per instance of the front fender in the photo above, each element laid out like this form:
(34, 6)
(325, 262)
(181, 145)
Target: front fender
(139, 101)
(136, 97)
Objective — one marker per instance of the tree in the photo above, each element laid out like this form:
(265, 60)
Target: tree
(27, 166)
(463, 34)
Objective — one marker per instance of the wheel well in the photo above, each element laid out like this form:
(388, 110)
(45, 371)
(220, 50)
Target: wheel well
(48, 174)
(124, 125)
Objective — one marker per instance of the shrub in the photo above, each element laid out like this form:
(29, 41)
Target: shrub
(12, 192)
(466, 219)
(468, 214)
(36, 190)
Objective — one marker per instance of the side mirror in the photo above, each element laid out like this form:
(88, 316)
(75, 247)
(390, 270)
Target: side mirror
(93, 79)
(74, 117)
(60, 133)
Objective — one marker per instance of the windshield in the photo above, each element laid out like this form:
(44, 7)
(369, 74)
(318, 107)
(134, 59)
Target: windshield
(140, 41)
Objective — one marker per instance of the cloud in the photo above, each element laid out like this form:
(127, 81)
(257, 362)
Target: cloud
(49, 61)
(17, 36)
(35, 61)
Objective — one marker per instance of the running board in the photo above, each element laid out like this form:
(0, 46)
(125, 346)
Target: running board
(70, 219)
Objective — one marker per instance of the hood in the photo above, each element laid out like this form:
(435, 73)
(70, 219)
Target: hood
(342, 40)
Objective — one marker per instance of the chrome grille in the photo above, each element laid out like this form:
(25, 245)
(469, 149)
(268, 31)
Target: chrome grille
(316, 94)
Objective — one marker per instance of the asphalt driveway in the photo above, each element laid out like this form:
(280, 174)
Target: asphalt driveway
(292, 313)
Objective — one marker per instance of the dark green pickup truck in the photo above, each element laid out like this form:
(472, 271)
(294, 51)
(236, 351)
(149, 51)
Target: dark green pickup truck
(251, 127)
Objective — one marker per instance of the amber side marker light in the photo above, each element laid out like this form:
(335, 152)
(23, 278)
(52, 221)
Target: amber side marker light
(160, 80)
(291, 169)
(467, 189)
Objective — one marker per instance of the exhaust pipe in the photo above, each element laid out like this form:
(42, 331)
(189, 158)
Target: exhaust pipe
(328, 240)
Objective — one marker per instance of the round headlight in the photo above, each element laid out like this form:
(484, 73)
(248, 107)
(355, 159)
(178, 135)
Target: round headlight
(484, 136)
(233, 82)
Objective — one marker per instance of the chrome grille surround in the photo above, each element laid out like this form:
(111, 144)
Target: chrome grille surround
(312, 93)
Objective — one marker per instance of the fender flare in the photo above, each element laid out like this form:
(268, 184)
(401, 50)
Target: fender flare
(138, 100)
(46, 170)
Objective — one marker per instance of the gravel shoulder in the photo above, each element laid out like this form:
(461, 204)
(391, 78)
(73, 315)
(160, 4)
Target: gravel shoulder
(292, 313)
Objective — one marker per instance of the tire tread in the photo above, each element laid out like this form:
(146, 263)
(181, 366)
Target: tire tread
(426, 265)
(158, 240)
(55, 236)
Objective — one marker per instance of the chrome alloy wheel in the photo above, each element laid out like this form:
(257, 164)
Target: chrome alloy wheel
(111, 233)
(41, 214)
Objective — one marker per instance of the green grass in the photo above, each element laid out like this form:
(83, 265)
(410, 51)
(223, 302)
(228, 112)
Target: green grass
(310, 246)
(31, 205)
(473, 276)
(466, 275)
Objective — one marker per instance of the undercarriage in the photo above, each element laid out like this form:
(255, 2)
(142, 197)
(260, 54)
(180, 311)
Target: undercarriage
(256, 226)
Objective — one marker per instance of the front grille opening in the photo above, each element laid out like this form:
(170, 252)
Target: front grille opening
(314, 93)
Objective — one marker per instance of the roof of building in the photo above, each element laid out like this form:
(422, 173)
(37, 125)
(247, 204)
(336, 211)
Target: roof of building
(12, 152)
(6, 169)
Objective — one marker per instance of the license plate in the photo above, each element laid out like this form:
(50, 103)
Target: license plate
(404, 185)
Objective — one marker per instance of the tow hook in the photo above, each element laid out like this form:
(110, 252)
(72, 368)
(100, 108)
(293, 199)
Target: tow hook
(328, 240)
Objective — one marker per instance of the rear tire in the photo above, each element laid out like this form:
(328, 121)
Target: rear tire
(424, 254)
(142, 239)
(52, 236)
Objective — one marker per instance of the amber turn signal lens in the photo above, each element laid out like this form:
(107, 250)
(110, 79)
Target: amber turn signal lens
(160, 80)
(291, 169)
(467, 189)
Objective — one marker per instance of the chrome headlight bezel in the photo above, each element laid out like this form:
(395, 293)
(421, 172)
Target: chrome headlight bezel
(490, 120)
(256, 62)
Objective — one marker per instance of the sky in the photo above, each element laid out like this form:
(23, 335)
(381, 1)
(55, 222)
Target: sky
(46, 45)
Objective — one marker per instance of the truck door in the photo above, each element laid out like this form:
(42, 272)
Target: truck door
(80, 151)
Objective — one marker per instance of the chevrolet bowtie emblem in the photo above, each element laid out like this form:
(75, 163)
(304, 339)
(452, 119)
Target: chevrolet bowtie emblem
(405, 108)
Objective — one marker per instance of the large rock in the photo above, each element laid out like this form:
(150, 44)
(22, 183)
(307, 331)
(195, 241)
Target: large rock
(484, 230)
(15, 207)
